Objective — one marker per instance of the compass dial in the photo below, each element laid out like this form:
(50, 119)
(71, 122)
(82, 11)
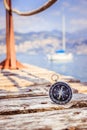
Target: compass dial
(60, 93)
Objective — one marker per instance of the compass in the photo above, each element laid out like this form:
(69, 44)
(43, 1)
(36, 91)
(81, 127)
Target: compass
(60, 93)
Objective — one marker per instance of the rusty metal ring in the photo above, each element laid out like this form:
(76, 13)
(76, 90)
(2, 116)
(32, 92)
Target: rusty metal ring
(40, 9)
(55, 77)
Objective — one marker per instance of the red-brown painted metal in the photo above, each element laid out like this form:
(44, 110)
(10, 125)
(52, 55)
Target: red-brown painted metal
(10, 62)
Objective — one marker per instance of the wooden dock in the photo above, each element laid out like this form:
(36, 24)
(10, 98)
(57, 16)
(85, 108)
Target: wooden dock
(25, 102)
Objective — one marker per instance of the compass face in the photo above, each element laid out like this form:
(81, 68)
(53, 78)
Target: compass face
(60, 93)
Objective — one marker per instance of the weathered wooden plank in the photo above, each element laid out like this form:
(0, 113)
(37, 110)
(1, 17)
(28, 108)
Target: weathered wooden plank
(72, 119)
(12, 82)
(25, 104)
(37, 104)
(37, 90)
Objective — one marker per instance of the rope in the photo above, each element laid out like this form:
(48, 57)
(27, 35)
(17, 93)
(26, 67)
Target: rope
(42, 8)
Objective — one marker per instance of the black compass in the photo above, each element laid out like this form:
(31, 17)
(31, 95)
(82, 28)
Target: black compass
(60, 93)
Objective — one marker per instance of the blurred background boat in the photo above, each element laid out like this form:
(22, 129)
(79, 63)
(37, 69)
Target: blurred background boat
(61, 55)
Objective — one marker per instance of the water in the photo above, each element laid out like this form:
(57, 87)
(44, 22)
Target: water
(76, 68)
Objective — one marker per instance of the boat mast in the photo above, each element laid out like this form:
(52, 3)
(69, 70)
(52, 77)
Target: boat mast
(63, 36)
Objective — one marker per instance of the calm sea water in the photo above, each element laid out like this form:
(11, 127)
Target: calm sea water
(76, 68)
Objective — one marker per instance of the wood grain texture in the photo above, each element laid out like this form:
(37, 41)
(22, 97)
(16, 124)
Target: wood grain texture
(25, 102)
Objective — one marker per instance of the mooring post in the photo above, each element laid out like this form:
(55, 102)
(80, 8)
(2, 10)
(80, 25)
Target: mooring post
(10, 41)
(10, 62)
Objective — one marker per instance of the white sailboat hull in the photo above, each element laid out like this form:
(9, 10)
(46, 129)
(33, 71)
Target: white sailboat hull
(62, 57)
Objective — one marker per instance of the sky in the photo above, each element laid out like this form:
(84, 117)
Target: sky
(75, 12)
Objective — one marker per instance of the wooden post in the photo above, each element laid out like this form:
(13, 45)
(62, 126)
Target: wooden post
(10, 62)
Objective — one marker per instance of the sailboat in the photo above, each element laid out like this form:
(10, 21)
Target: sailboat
(61, 55)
